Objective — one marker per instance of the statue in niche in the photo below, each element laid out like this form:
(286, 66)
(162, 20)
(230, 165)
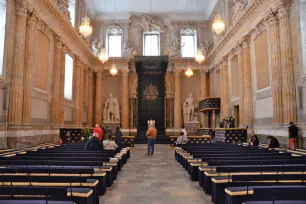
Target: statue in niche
(111, 110)
(239, 6)
(189, 108)
(127, 48)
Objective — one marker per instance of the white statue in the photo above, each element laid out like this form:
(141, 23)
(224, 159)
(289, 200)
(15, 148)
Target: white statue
(189, 107)
(127, 49)
(111, 110)
(95, 46)
(239, 6)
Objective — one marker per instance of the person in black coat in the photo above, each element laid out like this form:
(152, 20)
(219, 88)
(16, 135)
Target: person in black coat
(118, 137)
(273, 142)
(254, 140)
(231, 122)
(94, 144)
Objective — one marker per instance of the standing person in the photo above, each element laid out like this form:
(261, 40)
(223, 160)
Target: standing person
(254, 140)
(231, 122)
(185, 133)
(222, 124)
(94, 143)
(273, 142)
(99, 131)
(108, 143)
(118, 136)
(151, 135)
(293, 133)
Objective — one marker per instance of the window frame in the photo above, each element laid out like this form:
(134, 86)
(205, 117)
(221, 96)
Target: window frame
(71, 77)
(189, 32)
(144, 42)
(107, 43)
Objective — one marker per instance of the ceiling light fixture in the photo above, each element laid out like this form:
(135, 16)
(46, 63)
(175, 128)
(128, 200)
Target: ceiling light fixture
(218, 25)
(85, 28)
(189, 72)
(114, 71)
(199, 58)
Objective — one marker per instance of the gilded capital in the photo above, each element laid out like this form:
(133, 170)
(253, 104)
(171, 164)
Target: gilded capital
(177, 72)
(58, 41)
(21, 7)
(99, 73)
(245, 41)
(271, 18)
(90, 72)
(125, 72)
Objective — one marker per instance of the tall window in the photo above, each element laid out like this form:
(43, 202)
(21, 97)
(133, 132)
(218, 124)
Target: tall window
(114, 42)
(151, 45)
(188, 42)
(71, 9)
(68, 77)
(2, 31)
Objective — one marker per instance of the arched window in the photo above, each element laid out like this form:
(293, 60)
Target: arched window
(2, 31)
(188, 42)
(151, 43)
(114, 42)
(68, 77)
(71, 9)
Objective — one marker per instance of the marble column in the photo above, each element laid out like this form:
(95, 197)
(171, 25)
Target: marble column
(98, 109)
(288, 86)
(125, 99)
(29, 68)
(247, 75)
(56, 86)
(16, 93)
(273, 26)
(76, 91)
(90, 98)
(203, 95)
(241, 87)
(225, 89)
(177, 99)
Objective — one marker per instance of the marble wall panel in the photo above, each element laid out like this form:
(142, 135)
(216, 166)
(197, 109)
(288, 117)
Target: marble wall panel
(264, 108)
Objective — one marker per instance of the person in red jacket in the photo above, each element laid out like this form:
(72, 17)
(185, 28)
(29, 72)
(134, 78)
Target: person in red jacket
(99, 131)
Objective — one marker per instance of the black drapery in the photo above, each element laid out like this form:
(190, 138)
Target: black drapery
(151, 91)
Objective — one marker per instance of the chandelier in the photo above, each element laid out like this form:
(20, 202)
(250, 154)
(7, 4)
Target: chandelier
(199, 58)
(218, 25)
(103, 55)
(189, 72)
(113, 71)
(85, 28)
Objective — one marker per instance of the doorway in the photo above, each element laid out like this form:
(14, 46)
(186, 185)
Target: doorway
(236, 116)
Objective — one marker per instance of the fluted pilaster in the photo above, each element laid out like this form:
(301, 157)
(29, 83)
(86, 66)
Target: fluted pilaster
(16, 95)
(212, 83)
(241, 85)
(62, 83)
(98, 109)
(125, 98)
(81, 90)
(56, 86)
(225, 89)
(221, 93)
(29, 68)
(203, 95)
(76, 91)
(272, 22)
(288, 86)
(90, 98)
(248, 99)
(177, 99)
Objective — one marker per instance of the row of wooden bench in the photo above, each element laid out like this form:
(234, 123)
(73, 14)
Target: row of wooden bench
(233, 174)
(53, 172)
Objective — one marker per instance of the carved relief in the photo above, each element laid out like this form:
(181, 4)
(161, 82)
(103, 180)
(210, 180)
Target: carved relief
(239, 6)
